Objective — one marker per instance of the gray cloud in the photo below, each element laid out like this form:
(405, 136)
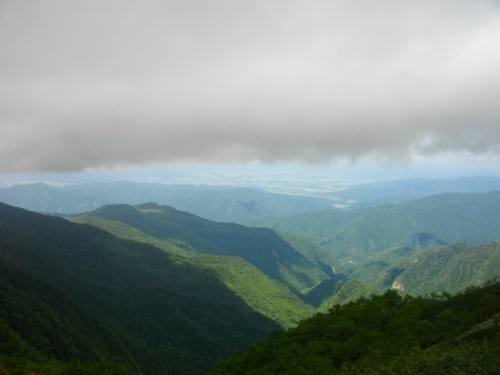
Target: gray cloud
(88, 84)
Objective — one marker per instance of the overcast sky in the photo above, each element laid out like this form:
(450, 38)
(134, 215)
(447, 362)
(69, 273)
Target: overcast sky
(108, 84)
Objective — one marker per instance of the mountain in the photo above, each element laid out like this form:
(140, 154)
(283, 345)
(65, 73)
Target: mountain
(352, 237)
(265, 295)
(444, 269)
(43, 330)
(385, 334)
(261, 247)
(259, 291)
(233, 204)
(220, 203)
(338, 291)
(399, 191)
(161, 299)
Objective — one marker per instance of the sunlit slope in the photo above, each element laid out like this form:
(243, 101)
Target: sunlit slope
(261, 247)
(263, 294)
(159, 298)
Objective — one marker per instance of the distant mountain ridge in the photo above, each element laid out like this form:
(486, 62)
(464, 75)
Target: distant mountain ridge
(220, 203)
(351, 237)
(233, 204)
(398, 191)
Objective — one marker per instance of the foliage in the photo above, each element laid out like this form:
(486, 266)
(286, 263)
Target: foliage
(386, 334)
(261, 247)
(128, 232)
(443, 269)
(263, 294)
(348, 291)
(257, 290)
(166, 301)
(351, 237)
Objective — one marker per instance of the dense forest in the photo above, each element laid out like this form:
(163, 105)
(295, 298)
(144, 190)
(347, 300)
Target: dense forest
(386, 334)
(149, 289)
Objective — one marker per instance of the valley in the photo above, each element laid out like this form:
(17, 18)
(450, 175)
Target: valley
(167, 283)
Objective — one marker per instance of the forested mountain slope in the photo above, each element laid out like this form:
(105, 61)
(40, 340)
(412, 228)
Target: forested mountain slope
(43, 330)
(263, 294)
(448, 269)
(157, 297)
(386, 334)
(261, 247)
(353, 236)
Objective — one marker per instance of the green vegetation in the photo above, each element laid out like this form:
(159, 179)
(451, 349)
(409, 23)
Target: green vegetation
(338, 291)
(386, 334)
(263, 294)
(348, 291)
(44, 331)
(128, 232)
(351, 237)
(149, 289)
(261, 247)
(444, 269)
(165, 301)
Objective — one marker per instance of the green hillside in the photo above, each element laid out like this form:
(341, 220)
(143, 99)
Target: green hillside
(348, 291)
(259, 291)
(386, 334)
(43, 330)
(351, 237)
(263, 294)
(444, 269)
(161, 299)
(128, 232)
(261, 247)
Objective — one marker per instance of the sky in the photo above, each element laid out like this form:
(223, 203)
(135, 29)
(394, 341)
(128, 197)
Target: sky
(108, 86)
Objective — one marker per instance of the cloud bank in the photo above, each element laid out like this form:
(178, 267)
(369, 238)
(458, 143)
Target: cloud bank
(90, 84)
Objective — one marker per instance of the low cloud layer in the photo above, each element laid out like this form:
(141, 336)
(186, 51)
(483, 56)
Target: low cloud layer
(90, 84)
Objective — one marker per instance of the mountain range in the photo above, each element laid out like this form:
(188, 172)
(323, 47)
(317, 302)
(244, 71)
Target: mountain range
(232, 203)
(157, 298)
(352, 237)
(160, 290)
